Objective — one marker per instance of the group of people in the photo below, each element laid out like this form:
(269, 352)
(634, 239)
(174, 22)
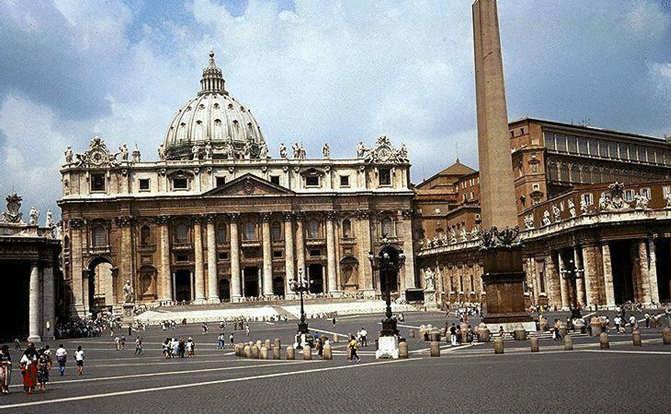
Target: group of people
(35, 365)
(178, 348)
(459, 336)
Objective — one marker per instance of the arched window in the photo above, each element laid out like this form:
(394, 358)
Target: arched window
(221, 234)
(182, 233)
(276, 231)
(387, 227)
(250, 231)
(99, 236)
(145, 236)
(346, 228)
(313, 229)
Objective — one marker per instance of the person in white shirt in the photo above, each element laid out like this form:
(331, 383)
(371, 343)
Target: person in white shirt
(61, 358)
(79, 360)
(364, 337)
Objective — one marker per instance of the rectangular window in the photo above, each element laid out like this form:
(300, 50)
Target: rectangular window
(593, 147)
(646, 192)
(315, 252)
(223, 255)
(588, 199)
(582, 146)
(312, 181)
(572, 147)
(535, 187)
(344, 180)
(561, 142)
(629, 195)
(180, 183)
(98, 182)
(277, 254)
(275, 179)
(385, 176)
(612, 148)
(221, 181)
(181, 257)
(549, 140)
(633, 152)
(144, 184)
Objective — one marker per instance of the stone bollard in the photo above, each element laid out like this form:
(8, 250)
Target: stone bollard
(519, 333)
(636, 337)
(326, 352)
(277, 342)
(263, 353)
(435, 336)
(267, 343)
(563, 330)
(603, 341)
(595, 323)
(277, 351)
(291, 352)
(568, 343)
(248, 351)
(255, 351)
(307, 353)
(666, 336)
(435, 348)
(402, 349)
(498, 345)
(259, 343)
(534, 344)
(483, 333)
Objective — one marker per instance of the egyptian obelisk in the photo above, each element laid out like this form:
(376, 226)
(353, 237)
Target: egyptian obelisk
(503, 273)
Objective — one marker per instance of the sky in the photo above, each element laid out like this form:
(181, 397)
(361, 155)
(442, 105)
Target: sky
(315, 72)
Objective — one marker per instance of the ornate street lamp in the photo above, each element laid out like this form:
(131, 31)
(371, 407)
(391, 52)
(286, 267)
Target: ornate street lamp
(388, 261)
(301, 285)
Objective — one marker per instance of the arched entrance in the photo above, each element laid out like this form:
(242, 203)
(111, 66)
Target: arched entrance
(99, 285)
(183, 285)
(224, 290)
(278, 286)
(251, 287)
(316, 278)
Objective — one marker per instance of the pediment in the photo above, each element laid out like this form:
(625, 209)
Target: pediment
(249, 185)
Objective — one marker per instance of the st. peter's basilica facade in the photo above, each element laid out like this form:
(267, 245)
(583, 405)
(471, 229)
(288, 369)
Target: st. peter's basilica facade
(217, 218)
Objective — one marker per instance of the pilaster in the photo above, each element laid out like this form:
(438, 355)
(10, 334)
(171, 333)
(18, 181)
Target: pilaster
(607, 275)
(212, 285)
(236, 292)
(267, 255)
(199, 282)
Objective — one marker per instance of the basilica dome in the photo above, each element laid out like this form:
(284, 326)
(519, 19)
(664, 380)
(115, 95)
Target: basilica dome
(213, 124)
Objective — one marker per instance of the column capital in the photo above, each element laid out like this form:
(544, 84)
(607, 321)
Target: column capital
(211, 218)
(363, 214)
(233, 217)
(266, 216)
(331, 215)
(124, 221)
(288, 216)
(76, 223)
(162, 219)
(299, 215)
(198, 219)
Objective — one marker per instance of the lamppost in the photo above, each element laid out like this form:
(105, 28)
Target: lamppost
(571, 274)
(301, 285)
(388, 261)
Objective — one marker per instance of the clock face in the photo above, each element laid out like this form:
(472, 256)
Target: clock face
(97, 158)
(384, 153)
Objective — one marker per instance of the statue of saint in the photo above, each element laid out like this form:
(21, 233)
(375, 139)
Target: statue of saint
(326, 151)
(263, 151)
(34, 216)
(429, 279)
(123, 151)
(283, 151)
(128, 295)
(68, 155)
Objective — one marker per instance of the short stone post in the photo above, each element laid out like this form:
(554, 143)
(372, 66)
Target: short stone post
(290, 352)
(277, 343)
(248, 351)
(520, 334)
(563, 330)
(255, 351)
(534, 344)
(666, 336)
(258, 343)
(498, 345)
(277, 351)
(402, 349)
(307, 353)
(636, 337)
(568, 343)
(483, 333)
(603, 341)
(264, 352)
(326, 352)
(435, 348)
(267, 343)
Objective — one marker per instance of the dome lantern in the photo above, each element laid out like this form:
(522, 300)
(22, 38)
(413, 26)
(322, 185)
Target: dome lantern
(212, 81)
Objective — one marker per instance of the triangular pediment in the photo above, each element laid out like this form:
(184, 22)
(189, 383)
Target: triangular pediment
(249, 185)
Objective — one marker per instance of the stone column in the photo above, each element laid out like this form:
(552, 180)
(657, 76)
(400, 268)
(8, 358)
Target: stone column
(642, 282)
(126, 257)
(164, 274)
(607, 275)
(331, 253)
(580, 280)
(652, 272)
(289, 271)
(267, 256)
(300, 245)
(563, 282)
(48, 309)
(212, 279)
(236, 292)
(551, 277)
(34, 298)
(76, 265)
(199, 282)
(364, 244)
(408, 249)
(589, 264)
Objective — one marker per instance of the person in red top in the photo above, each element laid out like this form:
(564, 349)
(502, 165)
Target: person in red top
(29, 368)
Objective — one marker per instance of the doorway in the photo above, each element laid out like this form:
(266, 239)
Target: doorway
(15, 302)
(316, 277)
(278, 286)
(621, 254)
(183, 285)
(224, 290)
(251, 281)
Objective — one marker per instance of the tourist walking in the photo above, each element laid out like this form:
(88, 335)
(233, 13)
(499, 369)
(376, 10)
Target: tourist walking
(204, 328)
(28, 365)
(43, 362)
(453, 335)
(353, 347)
(231, 338)
(364, 337)
(556, 334)
(61, 358)
(79, 360)
(138, 346)
(5, 369)
(221, 341)
(190, 347)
